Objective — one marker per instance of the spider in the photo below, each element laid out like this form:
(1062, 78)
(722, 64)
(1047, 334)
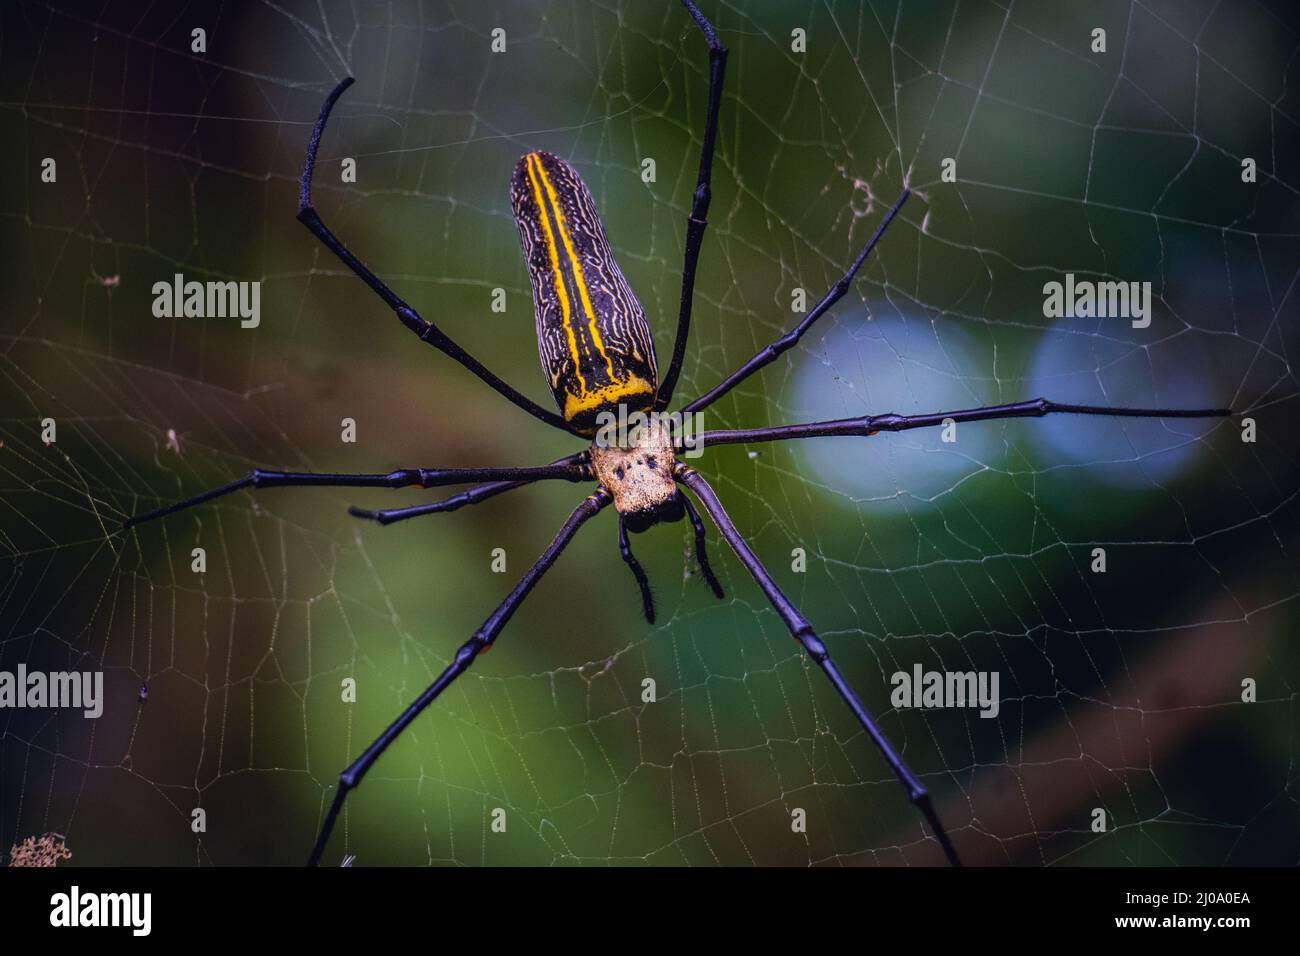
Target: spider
(598, 355)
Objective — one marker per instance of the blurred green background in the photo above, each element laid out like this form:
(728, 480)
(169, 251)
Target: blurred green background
(1119, 691)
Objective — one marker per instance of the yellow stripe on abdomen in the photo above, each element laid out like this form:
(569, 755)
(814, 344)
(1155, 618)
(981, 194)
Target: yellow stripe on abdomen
(579, 279)
(534, 165)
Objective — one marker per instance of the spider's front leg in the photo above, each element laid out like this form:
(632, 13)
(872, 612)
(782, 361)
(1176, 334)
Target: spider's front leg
(701, 553)
(642, 582)
(803, 632)
(481, 640)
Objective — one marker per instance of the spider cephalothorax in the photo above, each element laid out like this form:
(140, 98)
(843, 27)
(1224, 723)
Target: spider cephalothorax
(639, 475)
(598, 356)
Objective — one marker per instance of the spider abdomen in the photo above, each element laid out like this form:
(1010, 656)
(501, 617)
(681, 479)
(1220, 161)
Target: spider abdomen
(592, 333)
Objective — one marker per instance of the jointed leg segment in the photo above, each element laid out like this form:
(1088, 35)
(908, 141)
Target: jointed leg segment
(401, 478)
(470, 496)
(803, 632)
(890, 422)
(426, 330)
(642, 582)
(479, 642)
(769, 354)
(697, 222)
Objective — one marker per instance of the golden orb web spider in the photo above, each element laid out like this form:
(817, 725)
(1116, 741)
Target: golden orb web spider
(597, 352)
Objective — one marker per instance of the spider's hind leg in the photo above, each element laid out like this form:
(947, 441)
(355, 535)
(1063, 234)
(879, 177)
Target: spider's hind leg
(427, 331)
(638, 572)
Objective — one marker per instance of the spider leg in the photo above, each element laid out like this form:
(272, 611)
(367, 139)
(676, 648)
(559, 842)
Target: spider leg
(642, 582)
(402, 477)
(701, 555)
(697, 222)
(471, 496)
(768, 354)
(481, 640)
(426, 330)
(803, 632)
(890, 422)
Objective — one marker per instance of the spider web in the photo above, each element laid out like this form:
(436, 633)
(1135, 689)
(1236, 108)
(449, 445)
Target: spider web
(1119, 690)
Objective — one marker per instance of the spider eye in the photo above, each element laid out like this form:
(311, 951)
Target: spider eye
(651, 463)
(618, 473)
